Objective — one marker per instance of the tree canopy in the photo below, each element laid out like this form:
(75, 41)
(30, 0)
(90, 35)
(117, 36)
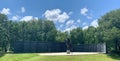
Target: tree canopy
(109, 25)
(45, 31)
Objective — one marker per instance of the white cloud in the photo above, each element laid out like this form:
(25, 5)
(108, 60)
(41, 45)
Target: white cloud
(83, 11)
(5, 11)
(78, 21)
(85, 27)
(61, 25)
(28, 18)
(52, 14)
(70, 22)
(94, 23)
(84, 23)
(89, 17)
(70, 28)
(22, 9)
(56, 15)
(36, 18)
(63, 17)
(70, 13)
(16, 17)
(70, 25)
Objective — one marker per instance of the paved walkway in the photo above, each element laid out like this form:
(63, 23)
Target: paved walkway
(64, 53)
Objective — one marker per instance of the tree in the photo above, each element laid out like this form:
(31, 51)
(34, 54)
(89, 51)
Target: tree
(61, 36)
(109, 25)
(33, 30)
(49, 31)
(91, 35)
(76, 36)
(3, 32)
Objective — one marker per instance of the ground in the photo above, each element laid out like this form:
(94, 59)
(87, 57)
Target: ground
(38, 57)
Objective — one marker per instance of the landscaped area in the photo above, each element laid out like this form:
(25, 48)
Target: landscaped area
(59, 30)
(37, 57)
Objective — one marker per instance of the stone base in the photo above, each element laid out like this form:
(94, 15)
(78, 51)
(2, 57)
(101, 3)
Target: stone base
(68, 51)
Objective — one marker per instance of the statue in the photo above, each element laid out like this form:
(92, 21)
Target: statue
(68, 44)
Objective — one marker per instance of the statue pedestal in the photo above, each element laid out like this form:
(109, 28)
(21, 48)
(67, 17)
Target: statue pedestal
(68, 51)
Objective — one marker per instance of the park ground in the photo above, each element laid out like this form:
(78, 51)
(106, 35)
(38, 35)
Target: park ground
(37, 57)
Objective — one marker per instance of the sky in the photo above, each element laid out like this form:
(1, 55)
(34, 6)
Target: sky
(66, 14)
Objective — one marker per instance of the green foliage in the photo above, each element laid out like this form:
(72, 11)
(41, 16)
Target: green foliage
(33, 30)
(49, 31)
(91, 35)
(109, 26)
(61, 36)
(111, 19)
(76, 36)
(45, 31)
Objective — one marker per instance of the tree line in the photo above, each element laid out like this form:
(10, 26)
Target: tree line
(45, 31)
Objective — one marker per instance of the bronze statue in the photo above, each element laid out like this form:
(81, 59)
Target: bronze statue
(68, 44)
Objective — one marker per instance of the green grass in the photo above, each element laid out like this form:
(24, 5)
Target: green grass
(36, 57)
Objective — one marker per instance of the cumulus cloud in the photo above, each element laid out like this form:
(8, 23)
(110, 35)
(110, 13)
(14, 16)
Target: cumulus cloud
(83, 11)
(70, 13)
(85, 27)
(94, 23)
(56, 15)
(52, 14)
(70, 22)
(16, 17)
(84, 23)
(22, 9)
(28, 18)
(89, 17)
(70, 28)
(5, 11)
(61, 25)
(78, 21)
(63, 17)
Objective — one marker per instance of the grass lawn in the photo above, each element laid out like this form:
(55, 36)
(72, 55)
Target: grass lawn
(36, 57)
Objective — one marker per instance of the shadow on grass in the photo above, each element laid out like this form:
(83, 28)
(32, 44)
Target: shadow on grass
(114, 56)
(1, 54)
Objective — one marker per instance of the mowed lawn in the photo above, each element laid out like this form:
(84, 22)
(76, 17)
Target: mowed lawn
(36, 57)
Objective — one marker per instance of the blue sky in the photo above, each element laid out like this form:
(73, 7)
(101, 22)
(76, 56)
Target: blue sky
(66, 14)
